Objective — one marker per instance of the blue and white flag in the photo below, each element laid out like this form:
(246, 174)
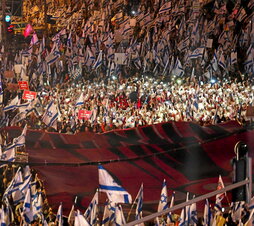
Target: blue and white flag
(80, 220)
(59, 215)
(185, 214)
(3, 216)
(165, 8)
(9, 153)
(222, 61)
(53, 56)
(172, 202)
(37, 206)
(193, 214)
(27, 208)
(214, 62)
(13, 104)
(139, 201)
(115, 192)
(197, 53)
(208, 216)
(178, 69)
(91, 212)
(21, 140)
(98, 62)
(50, 115)
(119, 220)
(15, 192)
(71, 217)
(80, 100)
(233, 57)
(108, 214)
(163, 204)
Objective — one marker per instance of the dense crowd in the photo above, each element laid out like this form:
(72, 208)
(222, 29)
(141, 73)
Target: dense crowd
(133, 64)
(24, 202)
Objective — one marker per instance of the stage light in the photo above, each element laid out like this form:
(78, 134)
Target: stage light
(133, 12)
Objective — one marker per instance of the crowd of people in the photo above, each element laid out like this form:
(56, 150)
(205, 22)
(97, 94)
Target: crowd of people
(24, 202)
(133, 64)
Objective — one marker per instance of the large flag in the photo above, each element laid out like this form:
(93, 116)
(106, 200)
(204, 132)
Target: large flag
(13, 104)
(91, 212)
(208, 217)
(115, 192)
(50, 115)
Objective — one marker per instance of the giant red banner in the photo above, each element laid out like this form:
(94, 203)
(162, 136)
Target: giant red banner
(188, 156)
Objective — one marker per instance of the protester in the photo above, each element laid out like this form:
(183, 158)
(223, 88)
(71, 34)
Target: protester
(136, 64)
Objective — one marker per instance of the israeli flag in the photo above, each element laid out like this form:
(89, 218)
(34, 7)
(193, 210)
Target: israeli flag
(139, 201)
(13, 104)
(27, 208)
(21, 140)
(222, 61)
(165, 8)
(9, 153)
(115, 192)
(193, 214)
(59, 215)
(163, 204)
(197, 53)
(80, 100)
(108, 214)
(120, 220)
(178, 69)
(208, 217)
(98, 62)
(80, 220)
(91, 212)
(50, 115)
(37, 205)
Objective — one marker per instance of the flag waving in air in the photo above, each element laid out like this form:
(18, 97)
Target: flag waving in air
(115, 192)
